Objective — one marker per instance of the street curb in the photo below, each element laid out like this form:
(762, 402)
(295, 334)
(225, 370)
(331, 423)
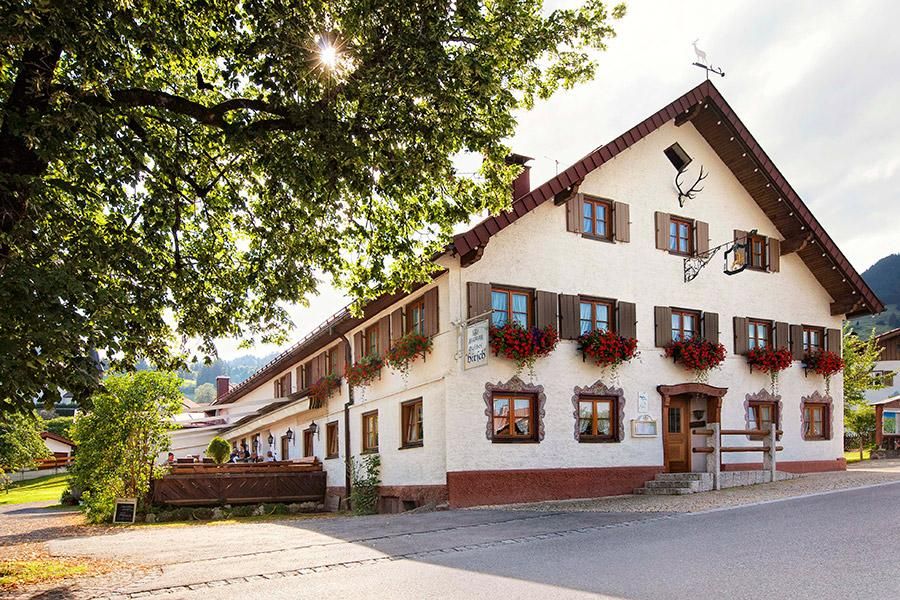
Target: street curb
(788, 499)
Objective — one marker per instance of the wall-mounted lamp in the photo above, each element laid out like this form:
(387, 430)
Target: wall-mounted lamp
(271, 439)
(289, 435)
(314, 429)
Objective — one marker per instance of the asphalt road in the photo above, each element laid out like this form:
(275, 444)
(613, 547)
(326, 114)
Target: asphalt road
(840, 545)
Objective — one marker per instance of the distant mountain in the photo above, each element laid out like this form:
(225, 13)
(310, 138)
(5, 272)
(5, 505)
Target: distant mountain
(884, 279)
(238, 369)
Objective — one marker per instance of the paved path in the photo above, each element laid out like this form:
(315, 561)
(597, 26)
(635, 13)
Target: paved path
(836, 545)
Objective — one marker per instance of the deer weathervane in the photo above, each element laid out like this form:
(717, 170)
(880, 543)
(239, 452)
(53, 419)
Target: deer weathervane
(703, 62)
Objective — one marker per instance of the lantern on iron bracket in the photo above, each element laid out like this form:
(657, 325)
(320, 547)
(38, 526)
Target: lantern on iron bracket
(289, 435)
(736, 254)
(271, 439)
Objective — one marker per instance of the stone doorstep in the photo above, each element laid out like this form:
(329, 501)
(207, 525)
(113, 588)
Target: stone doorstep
(684, 477)
(664, 491)
(693, 484)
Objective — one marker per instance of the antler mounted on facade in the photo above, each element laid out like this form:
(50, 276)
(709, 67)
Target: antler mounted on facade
(692, 192)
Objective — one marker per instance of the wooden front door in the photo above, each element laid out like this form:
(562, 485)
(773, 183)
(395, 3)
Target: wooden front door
(285, 448)
(677, 436)
(307, 443)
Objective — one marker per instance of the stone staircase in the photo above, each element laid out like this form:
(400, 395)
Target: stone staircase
(672, 484)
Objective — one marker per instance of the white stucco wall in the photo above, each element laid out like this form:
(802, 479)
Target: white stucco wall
(57, 446)
(538, 252)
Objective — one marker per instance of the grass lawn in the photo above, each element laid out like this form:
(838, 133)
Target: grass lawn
(853, 456)
(36, 490)
(23, 572)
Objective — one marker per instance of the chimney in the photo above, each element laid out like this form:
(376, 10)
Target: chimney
(223, 384)
(521, 184)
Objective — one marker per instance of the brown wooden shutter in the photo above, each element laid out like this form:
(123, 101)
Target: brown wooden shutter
(384, 335)
(276, 388)
(774, 251)
(397, 326)
(797, 342)
(574, 211)
(741, 336)
(782, 335)
(711, 327)
(701, 230)
(479, 298)
(663, 324)
(317, 370)
(358, 346)
(286, 383)
(340, 360)
(299, 377)
(545, 309)
(622, 222)
(626, 321)
(569, 328)
(662, 230)
(431, 312)
(833, 340)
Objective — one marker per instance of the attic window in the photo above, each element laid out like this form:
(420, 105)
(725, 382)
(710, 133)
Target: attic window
(677, 156)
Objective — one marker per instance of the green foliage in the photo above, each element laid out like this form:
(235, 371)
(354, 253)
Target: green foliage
(365, 477)
(192, 167)
(59, 425)
(219, 450)
(120, 438)
(20, 440)
(860, 356)
(205, 394)
(38, 489)
(859, 422)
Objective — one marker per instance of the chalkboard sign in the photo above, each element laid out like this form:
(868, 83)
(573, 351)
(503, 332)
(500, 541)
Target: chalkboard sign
(125, 509)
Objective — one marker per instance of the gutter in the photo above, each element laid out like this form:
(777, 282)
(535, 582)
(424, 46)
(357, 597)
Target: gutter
(348, 357)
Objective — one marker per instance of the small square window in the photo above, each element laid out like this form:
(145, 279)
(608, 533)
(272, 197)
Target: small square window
(370, 431)
(597, 419)
(677, 156)
(510, 306)
(681, 236)
(685, 324)
(411, 417)
(595, 314)
(513, 418)
(596, 218)
(332, 443)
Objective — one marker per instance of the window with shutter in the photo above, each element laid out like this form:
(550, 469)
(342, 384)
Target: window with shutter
(797, 351)
(626, 319)
(545, 309)
(701, 233)
(663, 324)
(415, 316)
(833, 340)
(759, 334)
(432, 316)
(509, 305)
(758, 253)
(774, 252)
(681, 236)
(574, 213)
(372, 345)
(596, 219)
(595, 314)
(479, 296)
(782, 337)
(813, 339)
(685, 324)
(740, 335)
(710, 327)
(398, 324)
(384, 335)
(569, 323)
(662, 230)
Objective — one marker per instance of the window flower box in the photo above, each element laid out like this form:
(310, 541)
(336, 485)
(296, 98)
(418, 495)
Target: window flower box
(406, 350)
(364, 371)
(770, 360)
(697, 355)
(607, 349)
(825, 363)
(523, 345)
(321, 390)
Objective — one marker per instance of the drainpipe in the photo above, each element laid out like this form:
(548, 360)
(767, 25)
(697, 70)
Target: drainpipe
(348, 359)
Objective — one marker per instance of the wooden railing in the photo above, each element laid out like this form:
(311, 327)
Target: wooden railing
(715, 448)
(236, 483)
(55, 462)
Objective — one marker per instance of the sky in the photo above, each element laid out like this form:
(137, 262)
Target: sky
(816, 82)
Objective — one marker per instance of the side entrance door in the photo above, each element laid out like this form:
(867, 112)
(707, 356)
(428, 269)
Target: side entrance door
(677, 436)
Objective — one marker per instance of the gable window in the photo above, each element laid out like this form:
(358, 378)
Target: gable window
(415, 317)
(813, 338)
(685, 324)
(681, 234)
(759, 334)
(370, 431)
(510, 306)
(332, 444)
(761, 415)
(757, 252)
(411, 422)
(596, 218)
(513, 418)
(595, 314)
(814, 422)
(371, 336)
(596, 419)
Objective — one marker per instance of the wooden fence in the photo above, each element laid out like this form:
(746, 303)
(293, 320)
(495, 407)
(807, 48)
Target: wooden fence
(202, 484)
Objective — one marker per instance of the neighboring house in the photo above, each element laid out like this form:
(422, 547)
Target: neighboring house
(60, 446)
(886, 398)
(601, 245)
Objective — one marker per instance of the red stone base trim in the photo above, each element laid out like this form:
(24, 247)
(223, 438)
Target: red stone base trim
(398, 498)
(794, 466)
(474, 488)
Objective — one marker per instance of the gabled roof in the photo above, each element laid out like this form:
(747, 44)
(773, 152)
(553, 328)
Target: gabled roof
(711, 115)
(59, 438)
(887, 335)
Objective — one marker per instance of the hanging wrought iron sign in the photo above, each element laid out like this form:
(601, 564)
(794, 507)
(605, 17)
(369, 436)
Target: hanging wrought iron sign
(736, 254)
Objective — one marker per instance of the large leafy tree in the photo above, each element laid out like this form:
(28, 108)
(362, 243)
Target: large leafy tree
(20, 441)
(193, 165)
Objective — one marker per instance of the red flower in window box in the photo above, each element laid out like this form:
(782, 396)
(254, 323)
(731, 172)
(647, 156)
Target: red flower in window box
(405, 351)
(321, 390)
(771, 361)
(825, 363)
(697, 355)
(364, 371)
(607, 349)
(523, 346)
